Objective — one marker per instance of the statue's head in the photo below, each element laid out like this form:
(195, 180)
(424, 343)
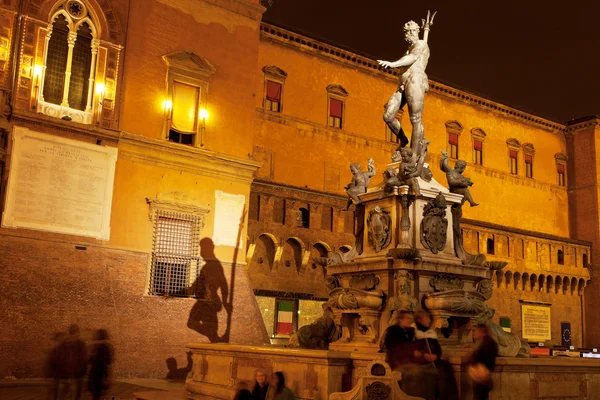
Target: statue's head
(411, 32)
(407, 154)
(354, 168)
(460, 166)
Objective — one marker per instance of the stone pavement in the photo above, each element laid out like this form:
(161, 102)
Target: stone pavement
(122, 389)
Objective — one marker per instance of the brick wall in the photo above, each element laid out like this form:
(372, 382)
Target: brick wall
(48, 285)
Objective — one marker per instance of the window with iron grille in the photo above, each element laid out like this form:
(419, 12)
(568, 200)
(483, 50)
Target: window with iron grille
(174, 269)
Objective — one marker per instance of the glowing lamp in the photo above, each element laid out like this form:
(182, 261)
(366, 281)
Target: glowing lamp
(167, 105)
(100, 89)
(37, 71)
(203, 115)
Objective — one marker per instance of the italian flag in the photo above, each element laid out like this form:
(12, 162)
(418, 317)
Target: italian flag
(284, 317)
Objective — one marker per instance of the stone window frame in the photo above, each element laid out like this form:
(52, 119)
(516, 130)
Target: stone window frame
(478, 135)
(513, 145)
(562, 160)
(390, 137)
(528, 151)
(191, 69)
(93, 107)
(453, 128)
(160, 207)
(336, 92)
(277, 75)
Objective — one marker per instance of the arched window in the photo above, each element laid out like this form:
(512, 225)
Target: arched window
(67, 80)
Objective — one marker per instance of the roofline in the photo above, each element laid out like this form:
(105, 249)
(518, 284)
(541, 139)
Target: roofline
(366, 63)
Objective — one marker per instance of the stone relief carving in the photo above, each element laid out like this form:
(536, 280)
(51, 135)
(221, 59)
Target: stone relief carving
(379, 226)
(404, 299)
(351, 299)
(378, 391)
(446, 282)
(364, 281)
(434, 225)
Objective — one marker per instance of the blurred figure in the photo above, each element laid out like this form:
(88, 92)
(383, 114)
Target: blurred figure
(261, 386)
(482, 363)
(55, 368)
(423, 380)
(277, 389)
(179, 373)
(100, 361)
(242, 392)
(398, 340)
(75, 353)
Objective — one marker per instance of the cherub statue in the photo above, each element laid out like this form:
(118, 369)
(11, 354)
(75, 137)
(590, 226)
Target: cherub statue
(360, 182)
(456, 181)
(410, 168)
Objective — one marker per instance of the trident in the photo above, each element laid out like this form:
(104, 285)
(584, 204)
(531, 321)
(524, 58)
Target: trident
(425, 24)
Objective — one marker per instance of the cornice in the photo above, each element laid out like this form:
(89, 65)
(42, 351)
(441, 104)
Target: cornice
(581, 123)
(488, 225)
(203, 162)
(353, 60)
(54, 123)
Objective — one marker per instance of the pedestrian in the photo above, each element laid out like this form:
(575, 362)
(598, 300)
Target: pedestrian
(277, 389)
(398, 340)
(55, 368)
(427, 352)
(75, 353)
(100, 360)
(483, 362)
(242, 392)
(261, 386)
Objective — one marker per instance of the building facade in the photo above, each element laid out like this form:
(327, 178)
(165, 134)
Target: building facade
(172, 171)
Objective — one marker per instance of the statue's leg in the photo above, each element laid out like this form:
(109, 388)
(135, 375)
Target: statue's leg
(392, 107)
(415, 97)
(470, 198)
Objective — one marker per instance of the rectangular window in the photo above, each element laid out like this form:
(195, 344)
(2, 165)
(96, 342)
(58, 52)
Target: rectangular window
(327, 219)
(453, 145)
(175, 255)
(254, 208)
(560, 169)
(285, 315)
(279, 211)
(513, 162)
(478, 152)
(336, 110)
(529, 165)
(184, 113)
(273, 96)
(490, 246)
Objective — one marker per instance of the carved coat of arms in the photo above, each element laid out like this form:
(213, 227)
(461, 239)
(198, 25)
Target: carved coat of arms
(378, 391)
(379, 225)
(434, 226)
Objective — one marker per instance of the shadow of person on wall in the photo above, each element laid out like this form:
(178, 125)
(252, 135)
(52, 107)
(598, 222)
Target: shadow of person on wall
(179, 374)
(204, 317)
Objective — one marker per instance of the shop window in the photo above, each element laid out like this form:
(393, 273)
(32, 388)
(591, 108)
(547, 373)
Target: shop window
(284, 317)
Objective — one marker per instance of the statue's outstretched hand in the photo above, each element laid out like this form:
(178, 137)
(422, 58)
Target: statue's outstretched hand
(386, 64)
(444, 153)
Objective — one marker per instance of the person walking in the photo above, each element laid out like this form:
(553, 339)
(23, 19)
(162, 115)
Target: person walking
(100, 360)
(75, 353)
(483, 362)
(277, 389)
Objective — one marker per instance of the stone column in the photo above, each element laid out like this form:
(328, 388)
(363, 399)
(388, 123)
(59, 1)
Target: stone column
(90, 94)
(44, 60)
(71, 42)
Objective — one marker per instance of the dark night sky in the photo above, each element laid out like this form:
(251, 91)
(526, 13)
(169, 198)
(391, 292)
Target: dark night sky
(527, 54)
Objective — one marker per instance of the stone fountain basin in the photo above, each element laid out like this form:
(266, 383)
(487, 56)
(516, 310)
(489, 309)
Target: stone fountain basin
(444, 301)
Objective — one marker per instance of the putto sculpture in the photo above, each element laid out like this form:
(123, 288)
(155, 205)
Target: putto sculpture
(360, 182)
(410, 169)
(456, 181)
(412, 86)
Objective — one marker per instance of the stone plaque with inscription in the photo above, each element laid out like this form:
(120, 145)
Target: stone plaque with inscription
(59, 185)
(228, 215)
(536, 322)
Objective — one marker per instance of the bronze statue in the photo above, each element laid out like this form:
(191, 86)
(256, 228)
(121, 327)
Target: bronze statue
(410, 169)
(360, 182)
(412, 86)
(456, 181)
(319, 334)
